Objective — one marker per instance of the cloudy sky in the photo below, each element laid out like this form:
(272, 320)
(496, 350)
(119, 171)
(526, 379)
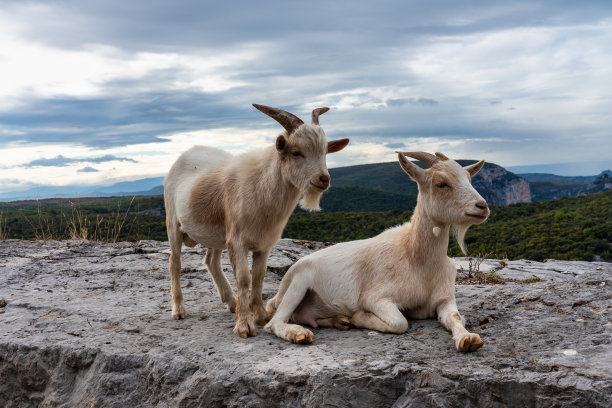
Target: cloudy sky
(106, 91)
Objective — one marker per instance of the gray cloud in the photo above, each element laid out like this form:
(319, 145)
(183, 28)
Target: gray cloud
(88, 169)
(412, 101)
(398, 145)
(160, 25)
(342, 53)
(61, 161)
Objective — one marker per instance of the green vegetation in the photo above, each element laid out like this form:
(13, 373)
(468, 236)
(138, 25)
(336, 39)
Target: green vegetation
(365, 200)
(100, 219)
(577, 228)
(342, 226)
(551, 189)
(379, 176)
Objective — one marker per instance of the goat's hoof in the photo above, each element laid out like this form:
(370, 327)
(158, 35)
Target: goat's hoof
(245, 328)
(261, 317)
(300, 335)
(178, 312)
(231, 305)
(469, 342)
(342, 323)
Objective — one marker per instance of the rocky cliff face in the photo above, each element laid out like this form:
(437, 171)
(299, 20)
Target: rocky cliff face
(500, 187)
(86, 324)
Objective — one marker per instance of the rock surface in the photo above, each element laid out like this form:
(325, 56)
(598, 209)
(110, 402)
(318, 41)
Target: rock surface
(88, 325)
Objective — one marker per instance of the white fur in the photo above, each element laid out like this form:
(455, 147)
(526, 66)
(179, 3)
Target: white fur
(404, 269)
(241, 203)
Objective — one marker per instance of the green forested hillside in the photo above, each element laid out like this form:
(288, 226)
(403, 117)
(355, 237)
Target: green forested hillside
(104, 219)
(577, 228)
(552, 189)
(568, 228)
(380, 176)
(492, 182)
(364, 200)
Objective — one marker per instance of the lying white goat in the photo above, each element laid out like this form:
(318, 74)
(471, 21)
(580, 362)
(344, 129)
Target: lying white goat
(369, 283)
(242, 204)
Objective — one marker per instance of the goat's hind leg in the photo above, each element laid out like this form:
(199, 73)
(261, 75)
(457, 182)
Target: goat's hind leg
(385, 317)
(175, 236)
(290, 301)
(339, 322)
(274, 302)
(213, 263)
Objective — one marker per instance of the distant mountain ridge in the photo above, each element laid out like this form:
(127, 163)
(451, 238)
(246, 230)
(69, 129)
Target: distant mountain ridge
(366, 187)
(146, 186)
(542, 190)
(371, 187)
(550, 177)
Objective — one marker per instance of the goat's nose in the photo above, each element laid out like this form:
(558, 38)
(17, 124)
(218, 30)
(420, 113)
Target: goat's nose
(482, 204)
(324, 179)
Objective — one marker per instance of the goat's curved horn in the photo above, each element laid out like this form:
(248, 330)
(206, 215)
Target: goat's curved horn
(427, 158)
(287, 120)
(316, 113)
(441, 156)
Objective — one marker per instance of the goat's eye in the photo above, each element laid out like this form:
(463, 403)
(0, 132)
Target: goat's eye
(442, 185)
(298, 154)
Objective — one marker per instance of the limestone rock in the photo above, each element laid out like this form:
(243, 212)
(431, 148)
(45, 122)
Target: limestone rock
(88, 325)
(499, 186)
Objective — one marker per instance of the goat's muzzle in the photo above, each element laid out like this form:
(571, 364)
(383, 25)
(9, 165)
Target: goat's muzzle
(480, 211)
(322, 183)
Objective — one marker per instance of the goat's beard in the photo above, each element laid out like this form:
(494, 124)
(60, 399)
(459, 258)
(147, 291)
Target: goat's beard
(310, 200)
(459, 233)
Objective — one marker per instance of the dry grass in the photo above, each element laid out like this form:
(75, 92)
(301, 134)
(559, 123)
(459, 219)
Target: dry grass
(475, 262)
(78, 225)
(42, 226)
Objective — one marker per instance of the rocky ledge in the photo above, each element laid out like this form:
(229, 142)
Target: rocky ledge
(86, 324)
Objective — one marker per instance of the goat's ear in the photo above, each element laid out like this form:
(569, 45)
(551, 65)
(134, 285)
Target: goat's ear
(281, 143)
(334, 146)
(414, 171)
(475, 168)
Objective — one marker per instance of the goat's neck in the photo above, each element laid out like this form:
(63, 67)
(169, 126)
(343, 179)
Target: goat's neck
(421, 242)
(280, 194)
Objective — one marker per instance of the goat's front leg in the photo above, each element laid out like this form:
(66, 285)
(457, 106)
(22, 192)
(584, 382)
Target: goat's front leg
(450, 318)
(385, 317)
(244, 321)
(258, 272)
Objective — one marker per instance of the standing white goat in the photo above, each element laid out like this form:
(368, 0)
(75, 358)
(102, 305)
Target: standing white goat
(369, 283)
(242, 204)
